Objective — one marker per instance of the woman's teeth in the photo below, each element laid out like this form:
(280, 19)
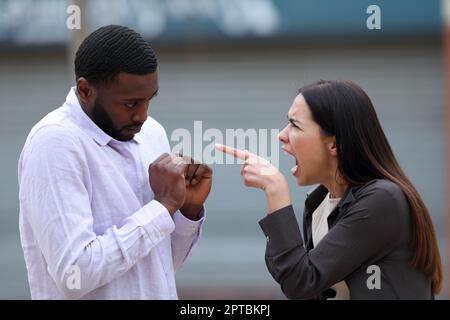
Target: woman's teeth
(294, 168)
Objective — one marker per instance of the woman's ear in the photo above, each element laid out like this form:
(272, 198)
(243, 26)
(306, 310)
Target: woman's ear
(332, 147)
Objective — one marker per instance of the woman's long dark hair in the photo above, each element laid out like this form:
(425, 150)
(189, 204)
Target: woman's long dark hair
(342, 109)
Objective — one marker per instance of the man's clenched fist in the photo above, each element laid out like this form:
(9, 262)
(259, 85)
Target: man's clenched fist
(167, 180)
(179, 182)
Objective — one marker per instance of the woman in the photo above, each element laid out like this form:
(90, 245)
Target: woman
(367, 233)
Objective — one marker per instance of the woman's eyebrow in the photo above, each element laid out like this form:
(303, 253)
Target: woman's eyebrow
(293, 120)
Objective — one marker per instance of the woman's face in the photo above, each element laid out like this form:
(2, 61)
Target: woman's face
(314, 153)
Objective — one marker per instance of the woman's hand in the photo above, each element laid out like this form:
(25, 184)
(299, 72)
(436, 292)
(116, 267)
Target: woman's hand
(260, 173)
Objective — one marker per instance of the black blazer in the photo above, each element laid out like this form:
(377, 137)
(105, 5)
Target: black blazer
(371, 225)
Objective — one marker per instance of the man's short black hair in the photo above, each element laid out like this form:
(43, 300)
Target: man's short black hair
(110, 50)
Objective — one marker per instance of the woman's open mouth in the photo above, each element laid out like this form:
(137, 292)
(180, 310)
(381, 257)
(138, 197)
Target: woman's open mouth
(294, 169)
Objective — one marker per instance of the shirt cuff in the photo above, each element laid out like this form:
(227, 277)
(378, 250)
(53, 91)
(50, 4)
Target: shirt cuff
(155, 219)
(281, 230)
(185, 226)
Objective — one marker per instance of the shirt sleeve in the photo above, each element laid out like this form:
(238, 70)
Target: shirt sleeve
(185, 237)
(56, 204)
(367, 229)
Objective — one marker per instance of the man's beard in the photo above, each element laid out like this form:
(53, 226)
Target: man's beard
(104, 122)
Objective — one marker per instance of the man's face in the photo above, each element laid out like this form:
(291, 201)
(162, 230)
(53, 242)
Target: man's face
(121, 106)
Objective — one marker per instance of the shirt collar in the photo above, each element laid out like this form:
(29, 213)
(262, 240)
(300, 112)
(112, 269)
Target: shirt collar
(87, 125)
(315, 197)
(138, 137)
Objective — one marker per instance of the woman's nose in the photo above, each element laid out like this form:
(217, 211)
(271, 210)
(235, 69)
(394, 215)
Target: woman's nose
(282, 136)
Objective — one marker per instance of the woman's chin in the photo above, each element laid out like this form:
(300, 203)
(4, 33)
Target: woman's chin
(300, 181)
(303, 181)
(299, 176)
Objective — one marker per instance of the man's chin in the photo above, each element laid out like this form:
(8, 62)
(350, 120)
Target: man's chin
(125, 137)
(126, 134)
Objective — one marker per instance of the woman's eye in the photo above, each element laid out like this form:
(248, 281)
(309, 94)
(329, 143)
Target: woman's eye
(295, 126)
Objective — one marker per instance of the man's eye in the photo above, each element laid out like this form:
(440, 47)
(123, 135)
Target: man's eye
(130, 104)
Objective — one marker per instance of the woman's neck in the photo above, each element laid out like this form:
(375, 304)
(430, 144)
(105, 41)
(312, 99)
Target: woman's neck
(336, 194)
(336, 187)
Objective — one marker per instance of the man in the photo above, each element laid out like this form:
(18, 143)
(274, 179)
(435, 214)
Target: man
(105, 211)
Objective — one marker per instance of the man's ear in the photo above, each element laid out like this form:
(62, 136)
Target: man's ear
(332, 147)
(86, 93)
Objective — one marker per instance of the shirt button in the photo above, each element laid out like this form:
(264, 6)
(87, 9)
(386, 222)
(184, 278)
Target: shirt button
(268, 239)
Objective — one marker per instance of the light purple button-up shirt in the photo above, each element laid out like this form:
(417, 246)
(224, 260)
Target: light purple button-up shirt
(89, 226)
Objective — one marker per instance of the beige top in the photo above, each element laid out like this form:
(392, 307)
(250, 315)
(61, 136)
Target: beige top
(320, 229)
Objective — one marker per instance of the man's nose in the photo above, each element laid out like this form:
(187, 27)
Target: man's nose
(141, 113)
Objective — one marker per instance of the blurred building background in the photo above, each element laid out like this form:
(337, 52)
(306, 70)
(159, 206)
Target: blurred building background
(234, 64)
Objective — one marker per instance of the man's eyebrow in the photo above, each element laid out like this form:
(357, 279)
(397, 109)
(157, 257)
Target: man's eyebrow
(139, 99)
